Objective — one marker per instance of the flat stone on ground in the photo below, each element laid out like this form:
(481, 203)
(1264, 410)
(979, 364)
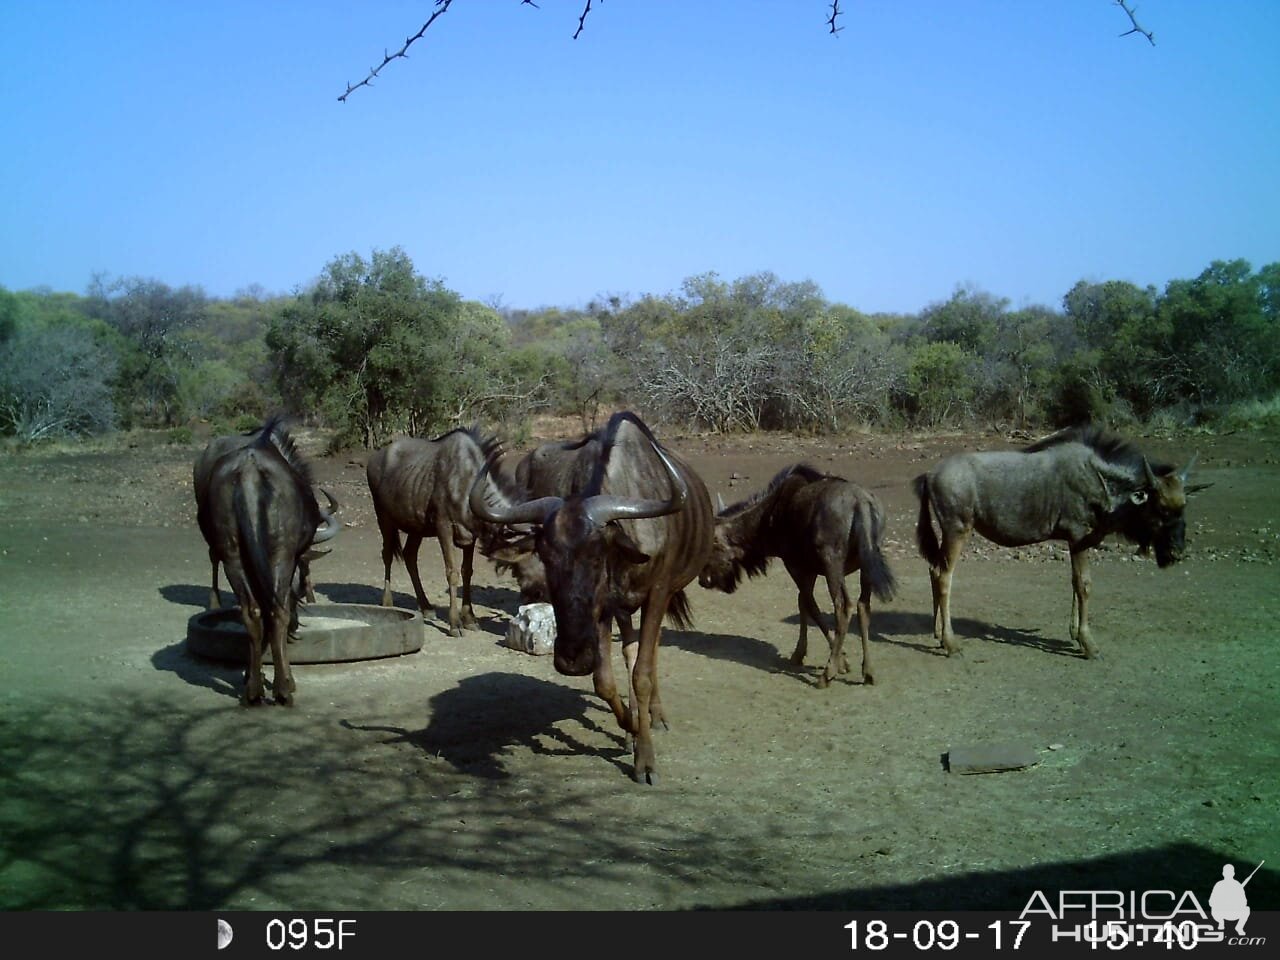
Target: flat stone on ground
(991, 757)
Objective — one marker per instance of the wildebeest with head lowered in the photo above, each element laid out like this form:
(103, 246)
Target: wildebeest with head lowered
(421, 486)
(817, 525)
(201, 471)
(1078, 485)
(630, 538)
(260, 518)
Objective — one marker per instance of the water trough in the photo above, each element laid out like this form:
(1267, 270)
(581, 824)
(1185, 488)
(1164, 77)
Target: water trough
(327, 633)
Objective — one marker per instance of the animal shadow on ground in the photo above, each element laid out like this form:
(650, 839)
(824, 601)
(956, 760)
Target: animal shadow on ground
(474, 723)
(893, 623)
(748, 651)
(190, 595)
(223, 678)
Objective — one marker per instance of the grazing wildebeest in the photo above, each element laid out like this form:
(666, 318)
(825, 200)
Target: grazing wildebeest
(217, 448)
(1077, 485)
(817, 525)
(260, 517)
(630, 538)
(421, 486)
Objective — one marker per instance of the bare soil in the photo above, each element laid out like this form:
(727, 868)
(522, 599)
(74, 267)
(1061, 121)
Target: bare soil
(471, 776)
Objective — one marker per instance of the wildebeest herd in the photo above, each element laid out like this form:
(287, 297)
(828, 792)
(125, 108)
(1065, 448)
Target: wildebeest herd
(616, 523)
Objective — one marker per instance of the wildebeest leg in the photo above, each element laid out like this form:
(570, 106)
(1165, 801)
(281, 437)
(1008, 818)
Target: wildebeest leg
(282, 683)
(952, 545)
(1081, 580)
(390, 537)
(602, 678)
(215, 602)
(445, 536)
(252, 618)
(864, 627)
(837, 662)
(468, 564)
(630, 649)
(642, 681)
(808, 611)
(411, 544)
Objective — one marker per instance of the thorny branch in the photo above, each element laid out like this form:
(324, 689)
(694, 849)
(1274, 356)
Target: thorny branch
(442, 7)
(835, 12)
(583, 19)
(1132, 19)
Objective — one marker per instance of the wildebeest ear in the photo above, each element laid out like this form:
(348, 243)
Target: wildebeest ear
(619, 540)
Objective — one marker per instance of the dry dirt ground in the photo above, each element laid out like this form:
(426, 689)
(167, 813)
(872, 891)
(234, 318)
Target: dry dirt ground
(471, 776)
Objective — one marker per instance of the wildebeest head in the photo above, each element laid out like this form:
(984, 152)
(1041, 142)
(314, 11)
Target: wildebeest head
(580, 544)
(723, 569)
(1151, 513)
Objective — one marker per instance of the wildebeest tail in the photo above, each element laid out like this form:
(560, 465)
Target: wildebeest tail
(868, 537)
(926, 537)
(678, 611)
(250, 507)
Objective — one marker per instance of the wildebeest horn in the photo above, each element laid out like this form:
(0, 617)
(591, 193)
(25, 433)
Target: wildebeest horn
(531, 511)
(1186, 471)
(604, 508)
(329, 525)
(719, 503)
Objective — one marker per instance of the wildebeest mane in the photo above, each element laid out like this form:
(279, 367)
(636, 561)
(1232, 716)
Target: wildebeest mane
(797, 469)
(1108, 446)
(283, 442)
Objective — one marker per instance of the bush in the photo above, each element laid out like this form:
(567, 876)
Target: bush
(181, 436)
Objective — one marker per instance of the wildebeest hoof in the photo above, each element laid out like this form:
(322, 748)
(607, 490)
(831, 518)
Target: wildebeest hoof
(648, 777)
(869, 679)
(823, 681)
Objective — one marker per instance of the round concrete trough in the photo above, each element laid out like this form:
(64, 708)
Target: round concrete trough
(327, 633)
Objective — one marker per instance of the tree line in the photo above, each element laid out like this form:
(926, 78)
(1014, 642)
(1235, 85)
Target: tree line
(373, 348)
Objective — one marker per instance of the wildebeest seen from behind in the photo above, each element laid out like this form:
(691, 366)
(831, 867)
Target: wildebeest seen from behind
(201, 471)
(420, 487)
(1078, 485)
(260, 517)
(631, 538)
(817, 525)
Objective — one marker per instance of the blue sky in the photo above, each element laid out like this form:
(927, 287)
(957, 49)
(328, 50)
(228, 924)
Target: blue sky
(1015, 147)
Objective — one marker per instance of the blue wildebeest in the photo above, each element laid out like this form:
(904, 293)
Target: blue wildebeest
(420, 487)
(817, 525)
(260, 517)
(217, 448)
(631, 537)
(1078, 485)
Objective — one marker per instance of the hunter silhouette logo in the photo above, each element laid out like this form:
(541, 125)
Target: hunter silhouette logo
(1228, 900)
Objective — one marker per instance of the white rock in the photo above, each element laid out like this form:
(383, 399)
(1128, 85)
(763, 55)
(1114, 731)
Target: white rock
(533, 630)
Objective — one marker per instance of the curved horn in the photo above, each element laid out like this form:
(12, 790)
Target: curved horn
(602, 509)
(334, 505)
(327, 530)
(531, 511)
(1186, 471)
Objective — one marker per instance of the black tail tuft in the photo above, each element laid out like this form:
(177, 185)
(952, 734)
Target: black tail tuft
(869, 535)
(926, 537)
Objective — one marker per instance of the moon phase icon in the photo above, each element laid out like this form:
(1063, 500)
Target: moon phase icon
(224, 934)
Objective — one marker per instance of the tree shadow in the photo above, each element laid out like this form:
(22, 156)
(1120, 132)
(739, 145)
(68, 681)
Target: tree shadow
(473, 724)
(1175, 867)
